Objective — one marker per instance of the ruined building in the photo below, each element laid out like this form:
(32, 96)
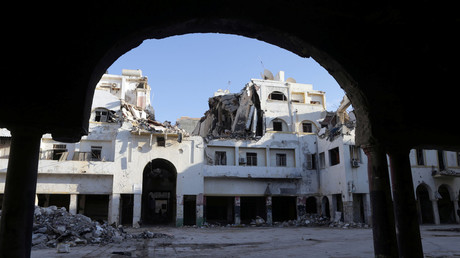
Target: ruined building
(271, 150)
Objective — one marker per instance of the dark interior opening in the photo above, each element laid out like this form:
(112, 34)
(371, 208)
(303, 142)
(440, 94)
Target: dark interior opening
(220, 210)
(284, 208)
(251, 207)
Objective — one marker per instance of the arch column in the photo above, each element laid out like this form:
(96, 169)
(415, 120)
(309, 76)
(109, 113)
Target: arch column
(19, 198)
(383, 227)
(406, 217)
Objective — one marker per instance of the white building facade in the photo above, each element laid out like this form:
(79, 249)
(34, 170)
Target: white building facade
(271, 150)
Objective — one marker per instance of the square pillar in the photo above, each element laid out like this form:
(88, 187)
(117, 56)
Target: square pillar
(237, 211)
(114, 208)
(200, 204)
(73, 204)
(268, 205)
(457, 219)
(437, 220)
(301, 203)
(137, 209)
(179, 210)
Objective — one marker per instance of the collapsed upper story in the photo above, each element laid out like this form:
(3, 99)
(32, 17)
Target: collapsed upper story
(264, 105)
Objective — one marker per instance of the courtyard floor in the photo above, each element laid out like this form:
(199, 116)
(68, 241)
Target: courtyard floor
(438, 241)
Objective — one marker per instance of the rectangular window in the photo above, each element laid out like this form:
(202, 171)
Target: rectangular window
(96, 153)
(251, 159)
(280, 160)
(334, 156)
(307, 128)
(419, 156)
(58, 151)
(277, 126)
(161, 141)
(311, 161)
(458, 159)
(322, 160)
(220, 158)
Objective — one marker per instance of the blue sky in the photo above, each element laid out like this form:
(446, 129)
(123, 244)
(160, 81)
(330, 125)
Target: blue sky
(184, 71)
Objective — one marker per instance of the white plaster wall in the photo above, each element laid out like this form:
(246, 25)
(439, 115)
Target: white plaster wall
(246, 187)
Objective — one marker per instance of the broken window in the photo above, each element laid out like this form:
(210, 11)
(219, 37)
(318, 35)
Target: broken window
(101, 115)
(322, 160)
(419, 156)
(220, 158)
(276, 95)
(311, 161)
(307, 127)
(161, 141)
(96, 153)
(251, 159)
(277, 126)
(280, 160)
(58, 151)
(334, 156)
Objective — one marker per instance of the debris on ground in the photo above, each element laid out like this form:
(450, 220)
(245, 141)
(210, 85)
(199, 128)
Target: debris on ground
(56, 228)
(307, 220)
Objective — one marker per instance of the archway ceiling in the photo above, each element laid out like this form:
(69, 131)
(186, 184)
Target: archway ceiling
(395, 62)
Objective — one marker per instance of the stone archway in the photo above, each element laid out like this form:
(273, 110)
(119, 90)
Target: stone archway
(159, 192)
(425, 207)
(445, 205)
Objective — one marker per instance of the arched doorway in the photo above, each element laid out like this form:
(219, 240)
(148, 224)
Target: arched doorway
(425, 207)
(445, 206)
(159, 192)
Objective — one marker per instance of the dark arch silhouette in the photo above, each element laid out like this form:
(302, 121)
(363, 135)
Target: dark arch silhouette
(159, 192)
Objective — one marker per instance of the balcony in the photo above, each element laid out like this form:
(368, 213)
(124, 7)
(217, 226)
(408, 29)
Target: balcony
(445, 173)
(252, 172)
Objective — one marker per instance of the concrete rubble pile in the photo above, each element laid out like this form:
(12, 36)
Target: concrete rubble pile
(144, 121)
(55, 227)
(235, 115)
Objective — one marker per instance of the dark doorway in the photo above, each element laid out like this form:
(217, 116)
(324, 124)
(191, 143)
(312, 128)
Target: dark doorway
(220, 210)
(58, 200)
(310, 205)
(445, 206)
(159, 193)
(127, 205)
(189, 210)
(425, 207)
(251, 207)
(337, 199)
(358, 208)
(284, 208)
(325, 207)
(95, 206)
